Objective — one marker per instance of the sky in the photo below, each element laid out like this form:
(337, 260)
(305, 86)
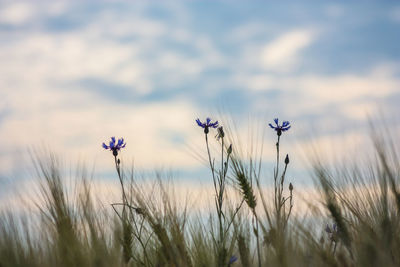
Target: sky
(75, 73)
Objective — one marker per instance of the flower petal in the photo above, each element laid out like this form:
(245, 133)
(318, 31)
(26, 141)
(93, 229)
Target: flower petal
(112, 143)
(232, 259)
(120, 141)
(199, 123)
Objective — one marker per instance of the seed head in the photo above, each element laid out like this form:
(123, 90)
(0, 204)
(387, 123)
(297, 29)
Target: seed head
(220, 133)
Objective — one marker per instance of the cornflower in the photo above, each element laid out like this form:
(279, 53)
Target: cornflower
(115, 146)
(207, 124)
(280, 128)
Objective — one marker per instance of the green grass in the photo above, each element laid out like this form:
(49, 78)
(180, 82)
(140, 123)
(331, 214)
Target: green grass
(150, 228)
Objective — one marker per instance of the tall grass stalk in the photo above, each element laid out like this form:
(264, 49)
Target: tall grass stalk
(354, 221)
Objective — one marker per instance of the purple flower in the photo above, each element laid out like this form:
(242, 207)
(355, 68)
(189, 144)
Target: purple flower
(206, 125)
(280, 128)
(115, 146)
(232, 260)
(332, 231)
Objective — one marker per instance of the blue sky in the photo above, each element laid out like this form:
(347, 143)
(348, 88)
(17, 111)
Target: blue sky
(74, 73)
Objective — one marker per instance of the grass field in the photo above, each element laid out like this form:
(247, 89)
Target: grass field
(354, 221)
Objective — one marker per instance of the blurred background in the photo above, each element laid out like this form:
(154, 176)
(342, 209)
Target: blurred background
(75, 73)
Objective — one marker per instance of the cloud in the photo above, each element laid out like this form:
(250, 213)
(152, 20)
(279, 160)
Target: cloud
(312, 92)
(348, 87)
(16, 13)
(84, 85)
(282, 53)
(45, 58)
(83, 74)
(65, 59)
(155, 132)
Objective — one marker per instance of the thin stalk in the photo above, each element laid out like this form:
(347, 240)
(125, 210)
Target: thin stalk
(217, 199)
(277, 198)
(124, 198)
(211, 165)
(258, 242)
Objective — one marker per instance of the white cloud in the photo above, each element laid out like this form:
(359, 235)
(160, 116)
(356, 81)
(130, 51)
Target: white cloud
(348, 86)
(75, 120)
(324, 89)
(79, 131)
(16, 13)
(66, 58)
(282, 53)
(96, 52)
(132, 51)
(332, 101)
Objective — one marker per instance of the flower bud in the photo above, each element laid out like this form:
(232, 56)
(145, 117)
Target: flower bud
(221, 133)
(229, 149)
(287, 159)
(255, 231)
